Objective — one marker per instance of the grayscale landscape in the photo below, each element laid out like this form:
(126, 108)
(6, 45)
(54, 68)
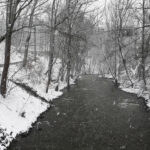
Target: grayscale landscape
(74, 75)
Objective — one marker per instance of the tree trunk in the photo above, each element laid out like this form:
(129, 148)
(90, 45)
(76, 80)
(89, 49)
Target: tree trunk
(10, 15)
(35, 51)
(124, 64)
(29, 34)
(69, 57)
(6, 63)
(52, 46)
(26, 49)
(143, 44)
(51, 58)
(120, 50)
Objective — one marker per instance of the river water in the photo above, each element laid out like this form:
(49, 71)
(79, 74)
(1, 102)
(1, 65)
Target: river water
(93, 115)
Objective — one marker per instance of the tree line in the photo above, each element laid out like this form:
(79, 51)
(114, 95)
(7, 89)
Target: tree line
(66, 28)
(126, 41)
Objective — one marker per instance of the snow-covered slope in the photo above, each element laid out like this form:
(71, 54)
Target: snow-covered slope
(19, 110)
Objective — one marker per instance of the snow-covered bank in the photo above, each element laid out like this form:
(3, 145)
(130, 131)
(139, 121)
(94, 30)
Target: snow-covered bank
(135, 90)
(139, 93)
(19, 110)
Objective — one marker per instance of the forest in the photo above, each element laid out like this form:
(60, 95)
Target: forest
(48, 45)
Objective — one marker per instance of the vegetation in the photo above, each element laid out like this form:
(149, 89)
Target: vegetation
(63, 24)
(69, 31)
(125, 46)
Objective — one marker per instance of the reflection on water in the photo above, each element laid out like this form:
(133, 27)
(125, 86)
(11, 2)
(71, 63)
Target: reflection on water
(128, 103)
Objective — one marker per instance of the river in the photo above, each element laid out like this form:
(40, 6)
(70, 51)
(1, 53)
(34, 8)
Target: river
(93, 115)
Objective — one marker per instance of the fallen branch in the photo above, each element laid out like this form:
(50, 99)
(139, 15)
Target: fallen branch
(31, 91)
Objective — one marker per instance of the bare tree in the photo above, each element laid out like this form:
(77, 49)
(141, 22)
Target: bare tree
(52, 29)
(12, 14)
(29, 33)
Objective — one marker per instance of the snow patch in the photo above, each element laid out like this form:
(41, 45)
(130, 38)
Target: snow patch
(17, 112)
(137, 89)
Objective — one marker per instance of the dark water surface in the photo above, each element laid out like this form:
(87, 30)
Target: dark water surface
(94, 115)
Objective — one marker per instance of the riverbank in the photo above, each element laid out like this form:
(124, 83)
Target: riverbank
(20, 109)
(136, 89)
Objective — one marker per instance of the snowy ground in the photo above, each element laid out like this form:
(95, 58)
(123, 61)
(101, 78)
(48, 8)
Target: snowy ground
(19, 110)
(15, 57)
(137, 88)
